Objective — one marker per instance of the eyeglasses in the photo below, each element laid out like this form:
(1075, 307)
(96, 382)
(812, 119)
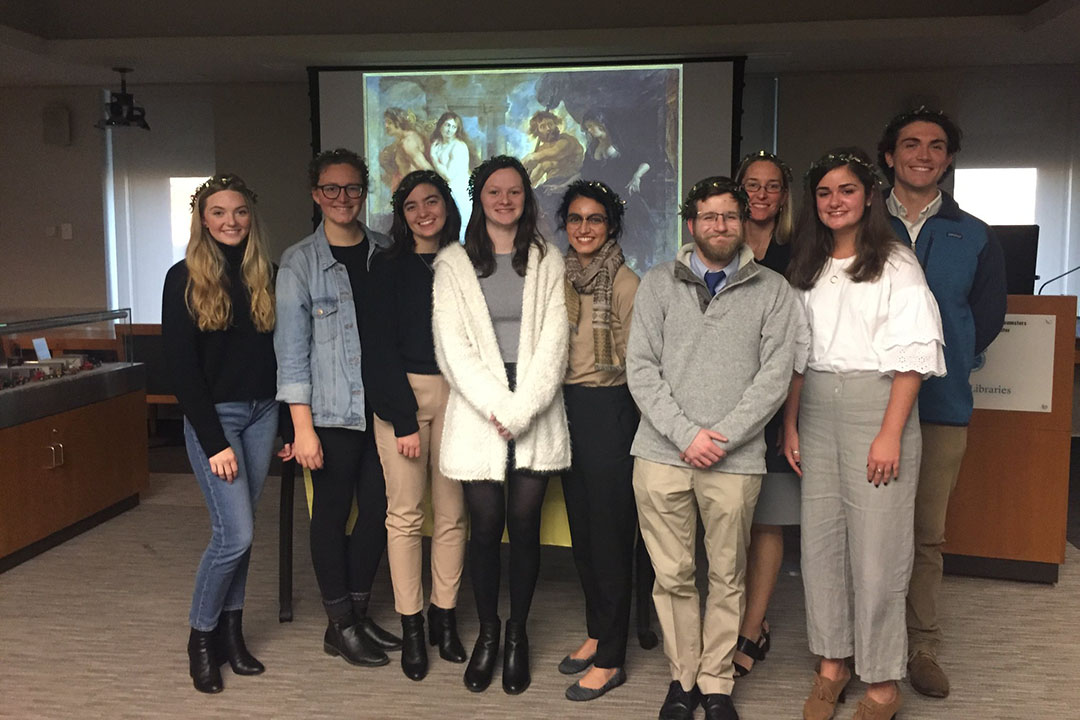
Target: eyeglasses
(714, 218)
(593, 221)
(772, 187)
(332, 191)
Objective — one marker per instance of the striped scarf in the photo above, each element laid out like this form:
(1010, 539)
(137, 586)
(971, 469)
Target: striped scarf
(596, 279)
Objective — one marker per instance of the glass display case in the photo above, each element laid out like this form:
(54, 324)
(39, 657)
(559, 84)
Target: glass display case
(72, 425)
(40, 346)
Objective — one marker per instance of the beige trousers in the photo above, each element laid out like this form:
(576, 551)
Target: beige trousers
(942, 452)
(406, 482)
(668, 500)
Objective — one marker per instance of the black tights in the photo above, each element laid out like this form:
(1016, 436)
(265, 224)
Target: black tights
(518, 508)
(345, 565)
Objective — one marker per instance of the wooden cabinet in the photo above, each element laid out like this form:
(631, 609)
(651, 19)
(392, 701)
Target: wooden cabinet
(61, 469)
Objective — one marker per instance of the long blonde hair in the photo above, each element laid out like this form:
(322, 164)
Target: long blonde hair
(207, 293)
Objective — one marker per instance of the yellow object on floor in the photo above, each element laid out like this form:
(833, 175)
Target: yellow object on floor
(554, 527)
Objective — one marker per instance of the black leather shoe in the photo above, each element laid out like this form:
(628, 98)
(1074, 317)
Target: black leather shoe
(482, 663)
(414, 661)
(352, 645)
(516, 677)
(679, 704)
(382, 639)
(442, 631)
(202, 661)
(231, 646)
(719, 707)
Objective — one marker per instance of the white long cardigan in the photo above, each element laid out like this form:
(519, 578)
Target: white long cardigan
(468, 356)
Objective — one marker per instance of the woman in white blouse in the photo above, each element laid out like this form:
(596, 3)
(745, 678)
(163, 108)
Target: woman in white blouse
(851, 429)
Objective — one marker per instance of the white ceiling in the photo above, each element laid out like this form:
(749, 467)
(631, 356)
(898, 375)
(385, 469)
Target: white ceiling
(73, 42)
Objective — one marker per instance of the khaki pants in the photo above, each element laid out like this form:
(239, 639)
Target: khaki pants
(669, 499)
(943, 451)
(406, 481)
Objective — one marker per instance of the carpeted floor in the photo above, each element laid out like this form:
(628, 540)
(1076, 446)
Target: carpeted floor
(96, 628)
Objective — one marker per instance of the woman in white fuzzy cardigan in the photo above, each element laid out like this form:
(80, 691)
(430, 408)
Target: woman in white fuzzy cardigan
(501, 341)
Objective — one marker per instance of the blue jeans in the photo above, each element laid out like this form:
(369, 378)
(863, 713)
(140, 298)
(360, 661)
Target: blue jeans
(250, 427)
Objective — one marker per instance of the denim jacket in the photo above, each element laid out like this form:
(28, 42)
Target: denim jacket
(315, 338)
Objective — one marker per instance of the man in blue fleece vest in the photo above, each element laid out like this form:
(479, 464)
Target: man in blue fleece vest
(965, 269)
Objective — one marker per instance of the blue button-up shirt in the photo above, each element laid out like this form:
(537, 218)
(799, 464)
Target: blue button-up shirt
(315, 337)
(699, 269)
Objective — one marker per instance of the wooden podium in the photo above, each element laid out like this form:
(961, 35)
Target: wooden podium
(1007, 516)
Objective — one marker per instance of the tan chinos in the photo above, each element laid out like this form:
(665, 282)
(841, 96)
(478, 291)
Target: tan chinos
(942, 452)
(668, 500)
(406, 482)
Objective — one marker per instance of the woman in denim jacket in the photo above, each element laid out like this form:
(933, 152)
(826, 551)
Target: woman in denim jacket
(321, 284)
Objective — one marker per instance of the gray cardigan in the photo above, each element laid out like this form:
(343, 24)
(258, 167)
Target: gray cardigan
(722, 362)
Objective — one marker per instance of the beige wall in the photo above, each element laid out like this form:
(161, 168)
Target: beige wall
(46, 185)
(263, 133)
(260, 131)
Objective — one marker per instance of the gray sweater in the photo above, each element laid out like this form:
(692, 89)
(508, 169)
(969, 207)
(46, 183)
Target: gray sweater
(721, 362)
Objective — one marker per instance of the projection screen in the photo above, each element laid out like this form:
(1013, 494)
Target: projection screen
(647, 130)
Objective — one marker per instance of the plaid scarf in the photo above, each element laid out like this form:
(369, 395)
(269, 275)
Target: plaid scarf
(596, 279)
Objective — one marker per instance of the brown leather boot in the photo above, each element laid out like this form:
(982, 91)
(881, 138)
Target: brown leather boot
(824, 695)
(871, 710)
(926, 675)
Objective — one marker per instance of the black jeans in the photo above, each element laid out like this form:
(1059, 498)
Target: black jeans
(346, 564)
(600, 505)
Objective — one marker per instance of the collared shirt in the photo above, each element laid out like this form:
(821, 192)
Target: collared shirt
(897, 209)
(699, 269)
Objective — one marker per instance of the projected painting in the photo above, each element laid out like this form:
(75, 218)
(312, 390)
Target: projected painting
(620, 125)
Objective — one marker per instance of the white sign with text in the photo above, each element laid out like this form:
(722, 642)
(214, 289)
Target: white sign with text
(1017, 371)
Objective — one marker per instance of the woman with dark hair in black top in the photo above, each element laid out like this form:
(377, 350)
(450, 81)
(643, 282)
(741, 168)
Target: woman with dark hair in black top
(408, 395)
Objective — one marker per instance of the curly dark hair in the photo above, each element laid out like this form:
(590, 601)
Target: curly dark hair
(614, 207)
(534, 122)
(340, 156)
(887, 144)
(814, 242)
(478, 242)
(400, 232)
(710, 186)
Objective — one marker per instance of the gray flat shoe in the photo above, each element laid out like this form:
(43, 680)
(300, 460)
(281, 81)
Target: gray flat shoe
(572, 666)
(578, 693)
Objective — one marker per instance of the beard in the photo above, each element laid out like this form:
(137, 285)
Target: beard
(719, 255)
(549, 137)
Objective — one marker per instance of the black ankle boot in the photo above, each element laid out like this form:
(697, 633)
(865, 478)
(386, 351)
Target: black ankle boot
(202, 661)
(516, 676)
(442, 631)
(345, 638)
(380, 638)
(482, 663)
(413, 651)
(231, 646)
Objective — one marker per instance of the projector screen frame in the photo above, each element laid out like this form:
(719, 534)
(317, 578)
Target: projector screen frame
(736, 65)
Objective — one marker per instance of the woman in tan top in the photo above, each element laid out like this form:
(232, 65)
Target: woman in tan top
(599, 493)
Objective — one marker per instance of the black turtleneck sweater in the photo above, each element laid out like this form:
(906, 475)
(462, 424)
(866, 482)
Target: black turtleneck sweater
(234, 364)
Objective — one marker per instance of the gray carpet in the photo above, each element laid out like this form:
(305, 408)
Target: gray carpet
(96, 628)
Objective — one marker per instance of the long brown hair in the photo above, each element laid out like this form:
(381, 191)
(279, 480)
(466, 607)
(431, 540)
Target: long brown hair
(207, 292)
(478, 242)
(814, 243)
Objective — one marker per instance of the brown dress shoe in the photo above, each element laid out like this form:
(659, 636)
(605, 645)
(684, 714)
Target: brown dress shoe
(870, 710)
(926, 675)
(824, 695)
